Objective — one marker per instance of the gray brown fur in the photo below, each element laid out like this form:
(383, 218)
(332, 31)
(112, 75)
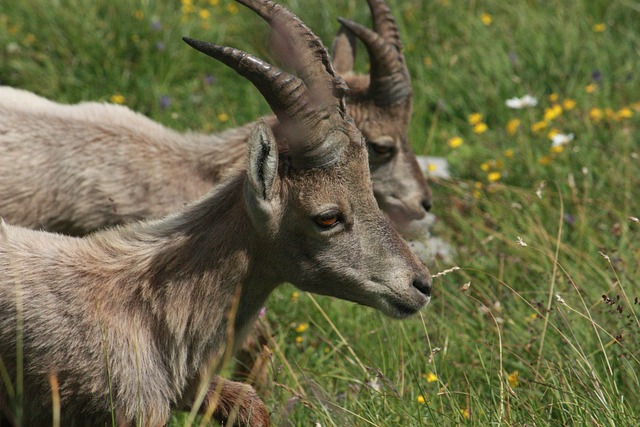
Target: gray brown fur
(132, 320)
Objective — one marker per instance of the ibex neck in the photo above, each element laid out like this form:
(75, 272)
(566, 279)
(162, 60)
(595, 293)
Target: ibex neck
(193, 269)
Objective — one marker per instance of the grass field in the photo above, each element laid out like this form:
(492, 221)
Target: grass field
(539, 325)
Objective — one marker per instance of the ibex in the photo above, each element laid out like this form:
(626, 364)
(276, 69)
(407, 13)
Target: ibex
(381, 105)
(128, 322)
(78, 168)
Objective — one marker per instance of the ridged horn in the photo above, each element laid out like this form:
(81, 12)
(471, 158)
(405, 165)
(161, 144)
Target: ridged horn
(303, 50)
(390, 81)
(384, 23)
(289, 99)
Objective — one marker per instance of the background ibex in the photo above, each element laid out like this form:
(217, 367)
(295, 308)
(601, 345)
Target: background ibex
(130, 321)
(78, 168)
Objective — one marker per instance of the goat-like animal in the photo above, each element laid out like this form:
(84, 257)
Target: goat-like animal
(381, 104)
(130, 322)
(78, 168)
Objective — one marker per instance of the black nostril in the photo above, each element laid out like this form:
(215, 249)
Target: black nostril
(423, 284)
(426, 204)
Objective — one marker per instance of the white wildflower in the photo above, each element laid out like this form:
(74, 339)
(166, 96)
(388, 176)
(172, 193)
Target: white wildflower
(539, 189)
(560, 299)
(521, 242)
(561, 139)
(524, 102)
(634, 219)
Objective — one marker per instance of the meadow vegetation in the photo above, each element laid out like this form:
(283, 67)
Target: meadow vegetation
(539, 324)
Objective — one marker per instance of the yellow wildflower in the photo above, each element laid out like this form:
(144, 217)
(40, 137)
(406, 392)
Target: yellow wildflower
(475, 118)
(455, 142)
(421, 400)
(223, 117)
(432, 167)
(508, 153)
(138, 14)
(431, 377)
(29, 39)
(232, 8)
(590, 88)
(599, 27)
(538, 126)
(485, 166)
(486, 19)
(494, 176)
(552, 113)
(480, 128)
(512, 126)
(214, 2)
(187, 9)
(596, 114)
(544, 160)
(568, 104)
(294, 296)
(531, 317)
(427, 62)
(299, 339)
(465, 413)
(553, 132)
(302, 327)
(553, 97)
(624, 113)
(513, 378)
(117, 99)
(187, 2)
(204, 14)
(476, 194)
(557, 149)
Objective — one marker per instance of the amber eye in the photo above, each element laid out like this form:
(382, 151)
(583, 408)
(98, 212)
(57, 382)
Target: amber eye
(328, 220)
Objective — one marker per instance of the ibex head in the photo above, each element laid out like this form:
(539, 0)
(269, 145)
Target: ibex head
(309, 193)
(380, 104)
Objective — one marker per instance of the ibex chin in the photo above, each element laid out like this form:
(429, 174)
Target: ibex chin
(78, 168)
(129, 322)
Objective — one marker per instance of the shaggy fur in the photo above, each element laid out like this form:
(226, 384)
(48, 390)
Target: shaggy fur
(135, 321)
(138, 313)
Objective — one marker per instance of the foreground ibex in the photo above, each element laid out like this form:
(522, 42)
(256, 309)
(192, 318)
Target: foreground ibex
(129, 322)
(79, 168)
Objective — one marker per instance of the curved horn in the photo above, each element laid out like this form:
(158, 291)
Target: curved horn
(289, 99)
(304, 50)
(384, 23)
(284, 92)
(343, 51)
(390, 82)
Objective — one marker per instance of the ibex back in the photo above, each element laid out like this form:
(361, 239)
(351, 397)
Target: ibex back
(127, 321)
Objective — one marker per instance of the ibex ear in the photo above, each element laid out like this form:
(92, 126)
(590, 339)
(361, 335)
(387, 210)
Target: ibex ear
(262, 161)
(343, 51)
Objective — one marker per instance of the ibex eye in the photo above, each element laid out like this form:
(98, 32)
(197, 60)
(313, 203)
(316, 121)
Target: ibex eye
(380, 149)
(328, 220)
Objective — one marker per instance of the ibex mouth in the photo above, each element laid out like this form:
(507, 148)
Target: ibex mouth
(402, 309)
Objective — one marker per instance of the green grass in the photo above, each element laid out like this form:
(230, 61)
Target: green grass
(536, 310)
